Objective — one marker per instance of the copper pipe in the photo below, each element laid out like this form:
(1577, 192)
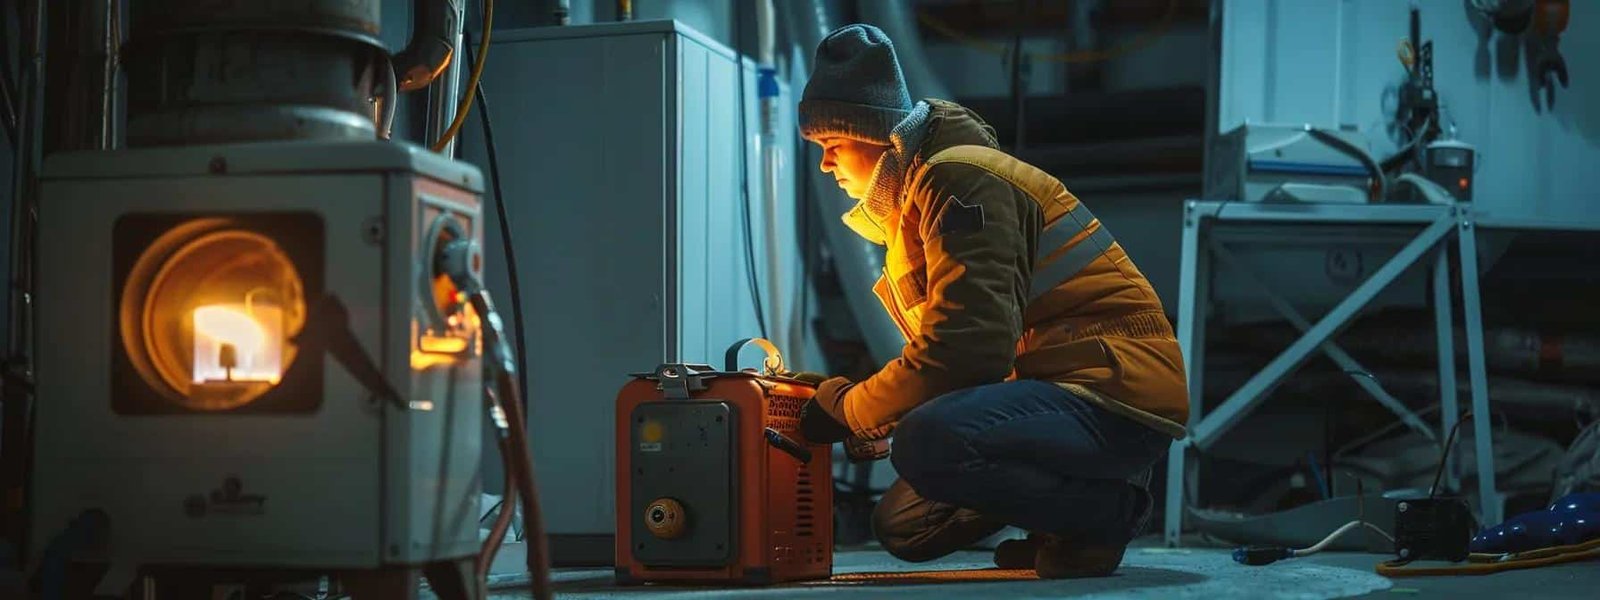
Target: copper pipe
(508, 509)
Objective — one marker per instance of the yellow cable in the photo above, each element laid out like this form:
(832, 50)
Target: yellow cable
(1485, 564)
(465, 105)
(1085, 56)
(1537, 552)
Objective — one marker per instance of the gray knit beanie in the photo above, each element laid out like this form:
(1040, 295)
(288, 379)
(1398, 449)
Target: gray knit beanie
(856, 89)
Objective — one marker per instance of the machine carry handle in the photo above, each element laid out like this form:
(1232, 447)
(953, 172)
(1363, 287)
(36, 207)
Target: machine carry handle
(772, 364)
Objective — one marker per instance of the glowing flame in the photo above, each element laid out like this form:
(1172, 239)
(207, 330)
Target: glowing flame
(233, 342)
(230, 326)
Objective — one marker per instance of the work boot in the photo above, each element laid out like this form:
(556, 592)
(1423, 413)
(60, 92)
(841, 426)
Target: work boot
(1058, 558)
(1016, 553)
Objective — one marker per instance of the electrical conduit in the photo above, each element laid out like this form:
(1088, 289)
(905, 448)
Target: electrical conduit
(771, 170)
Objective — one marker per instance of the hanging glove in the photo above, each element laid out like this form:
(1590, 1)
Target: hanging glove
(822, 418)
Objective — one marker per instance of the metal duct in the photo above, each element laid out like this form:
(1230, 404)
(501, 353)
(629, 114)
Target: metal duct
(897, 19)
(79, 105)
(858, 261)
(217, 71)
(434, 35)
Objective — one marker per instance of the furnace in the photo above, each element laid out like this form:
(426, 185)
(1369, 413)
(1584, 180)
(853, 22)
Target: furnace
(252, 357)
(278, 375)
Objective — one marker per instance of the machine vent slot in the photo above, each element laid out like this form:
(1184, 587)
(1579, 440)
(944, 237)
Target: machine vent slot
(783, 412)
(805, 500)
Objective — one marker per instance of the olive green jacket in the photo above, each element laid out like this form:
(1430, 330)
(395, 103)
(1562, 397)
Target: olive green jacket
(996, 272)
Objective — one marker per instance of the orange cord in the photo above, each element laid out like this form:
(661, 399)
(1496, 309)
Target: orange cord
(1485, 564)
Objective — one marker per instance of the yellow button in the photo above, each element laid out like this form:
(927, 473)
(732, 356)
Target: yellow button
(651, 432)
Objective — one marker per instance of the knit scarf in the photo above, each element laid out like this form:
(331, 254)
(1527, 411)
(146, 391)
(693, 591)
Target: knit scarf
(873, 217)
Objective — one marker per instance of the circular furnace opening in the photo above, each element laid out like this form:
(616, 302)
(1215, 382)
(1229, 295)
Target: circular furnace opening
(207, 313)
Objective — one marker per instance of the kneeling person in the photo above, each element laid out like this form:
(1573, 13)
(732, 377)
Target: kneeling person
(1040, 379)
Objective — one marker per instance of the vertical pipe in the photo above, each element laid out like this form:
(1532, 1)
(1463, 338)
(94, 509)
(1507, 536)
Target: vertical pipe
(78, 107)
(766, 33)
(27, 150)
(389, 100)
(1444, 325)
(1172, 526)
(446, 91)
(1490, 505)
(1194, 296)
(62, 110)
(19, 365)
(110, 46)
(771, 171)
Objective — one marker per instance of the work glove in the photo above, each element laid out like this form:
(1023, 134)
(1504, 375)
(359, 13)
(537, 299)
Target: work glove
(822, 418)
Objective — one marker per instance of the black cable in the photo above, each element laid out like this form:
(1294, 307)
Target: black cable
(744, 175)
(8, 81)
(1374, 168)
(1443, 456)
(8, 110)
(1379, 433)
(491, 510)
(505, 224)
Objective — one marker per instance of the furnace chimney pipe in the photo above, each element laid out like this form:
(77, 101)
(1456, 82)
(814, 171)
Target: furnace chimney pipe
(436, 27)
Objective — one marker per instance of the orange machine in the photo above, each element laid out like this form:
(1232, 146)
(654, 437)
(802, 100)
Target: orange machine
(713, 484)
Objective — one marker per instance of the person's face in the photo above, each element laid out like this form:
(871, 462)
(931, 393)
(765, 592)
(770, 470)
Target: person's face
(851, 163)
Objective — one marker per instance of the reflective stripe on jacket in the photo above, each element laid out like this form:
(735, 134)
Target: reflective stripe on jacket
(997, 272)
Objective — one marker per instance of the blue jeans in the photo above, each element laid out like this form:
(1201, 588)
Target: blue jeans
(1022, 453)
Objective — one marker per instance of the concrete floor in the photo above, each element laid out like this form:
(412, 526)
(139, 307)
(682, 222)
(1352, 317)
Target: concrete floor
(1148, 571)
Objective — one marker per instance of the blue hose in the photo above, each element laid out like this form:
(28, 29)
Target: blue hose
(1574, 519)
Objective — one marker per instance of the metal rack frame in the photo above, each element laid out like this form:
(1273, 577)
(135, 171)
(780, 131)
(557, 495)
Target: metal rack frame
(1437, 224)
